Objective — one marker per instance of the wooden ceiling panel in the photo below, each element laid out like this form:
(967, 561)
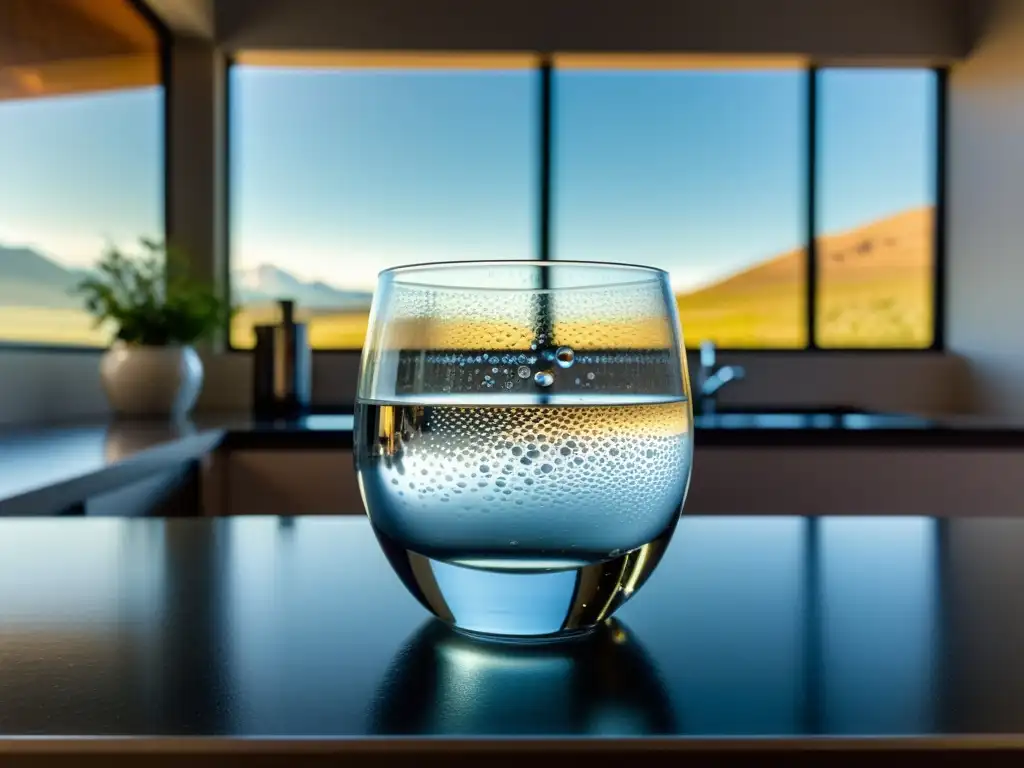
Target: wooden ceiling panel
(54, 47)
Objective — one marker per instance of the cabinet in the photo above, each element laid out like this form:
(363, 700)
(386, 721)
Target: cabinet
(289, 482)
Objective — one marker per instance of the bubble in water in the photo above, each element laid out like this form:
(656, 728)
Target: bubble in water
(523, 372)
(565, 356)
(543, 378)
(590, 376)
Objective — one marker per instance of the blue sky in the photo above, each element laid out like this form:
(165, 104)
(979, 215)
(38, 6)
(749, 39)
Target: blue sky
(78, 171)
(338, 174)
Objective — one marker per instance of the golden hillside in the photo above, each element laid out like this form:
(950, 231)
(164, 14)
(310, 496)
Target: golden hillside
(876, 284)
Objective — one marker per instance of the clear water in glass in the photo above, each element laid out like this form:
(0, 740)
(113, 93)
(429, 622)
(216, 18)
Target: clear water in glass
(523, 438)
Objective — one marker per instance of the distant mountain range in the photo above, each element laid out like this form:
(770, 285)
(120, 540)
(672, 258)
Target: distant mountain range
(28, 278)
(267, 283)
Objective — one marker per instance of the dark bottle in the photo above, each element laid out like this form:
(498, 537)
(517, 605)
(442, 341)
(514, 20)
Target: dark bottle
(282, 368)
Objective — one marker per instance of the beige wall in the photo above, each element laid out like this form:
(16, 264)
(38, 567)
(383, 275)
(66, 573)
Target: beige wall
(924, 29)
(986, 212)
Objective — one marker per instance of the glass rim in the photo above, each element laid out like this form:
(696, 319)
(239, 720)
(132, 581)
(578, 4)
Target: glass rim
(646, 274)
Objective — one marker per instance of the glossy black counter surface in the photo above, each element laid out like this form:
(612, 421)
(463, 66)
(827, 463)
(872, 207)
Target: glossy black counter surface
(856, 635)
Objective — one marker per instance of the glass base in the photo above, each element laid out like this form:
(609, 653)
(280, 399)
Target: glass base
(541, 604)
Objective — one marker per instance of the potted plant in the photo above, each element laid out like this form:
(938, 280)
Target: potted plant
(158, 313)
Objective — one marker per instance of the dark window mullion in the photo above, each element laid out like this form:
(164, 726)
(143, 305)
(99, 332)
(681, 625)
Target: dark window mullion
(939, 236)
(811, 209)
(545, 323)
(544, 175)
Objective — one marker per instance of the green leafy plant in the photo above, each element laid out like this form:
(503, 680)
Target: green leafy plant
(150, 299)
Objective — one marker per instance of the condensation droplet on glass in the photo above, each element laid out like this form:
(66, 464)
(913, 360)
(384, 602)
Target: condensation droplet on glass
(494, 370)
(565, 356)
(590, 376)
(523, 372)
(508, 385)
(543, 378)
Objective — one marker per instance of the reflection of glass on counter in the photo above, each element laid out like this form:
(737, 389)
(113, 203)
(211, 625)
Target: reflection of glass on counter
(446, 683)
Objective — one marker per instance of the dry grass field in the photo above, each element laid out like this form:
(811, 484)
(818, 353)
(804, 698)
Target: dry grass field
(876, 291)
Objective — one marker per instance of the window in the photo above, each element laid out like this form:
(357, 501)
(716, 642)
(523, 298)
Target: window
(737, 177)
(342, 169)
(876, 196)
(699, 172)
(81, 156)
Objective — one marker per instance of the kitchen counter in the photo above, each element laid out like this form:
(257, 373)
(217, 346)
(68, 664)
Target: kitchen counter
(800, 638)
(69, 462)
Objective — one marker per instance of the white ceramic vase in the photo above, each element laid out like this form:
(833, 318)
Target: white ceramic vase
(151, 382)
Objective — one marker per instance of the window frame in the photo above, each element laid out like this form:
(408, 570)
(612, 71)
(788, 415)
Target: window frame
(164, 39)
(546, 115)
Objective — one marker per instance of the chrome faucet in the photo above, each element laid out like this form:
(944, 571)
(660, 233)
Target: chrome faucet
(711, 377)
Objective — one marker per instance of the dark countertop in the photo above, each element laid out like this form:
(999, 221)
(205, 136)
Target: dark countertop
(813, 636)
(70, 462)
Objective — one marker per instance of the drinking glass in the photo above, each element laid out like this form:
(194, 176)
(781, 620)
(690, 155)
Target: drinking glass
(523, 438)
